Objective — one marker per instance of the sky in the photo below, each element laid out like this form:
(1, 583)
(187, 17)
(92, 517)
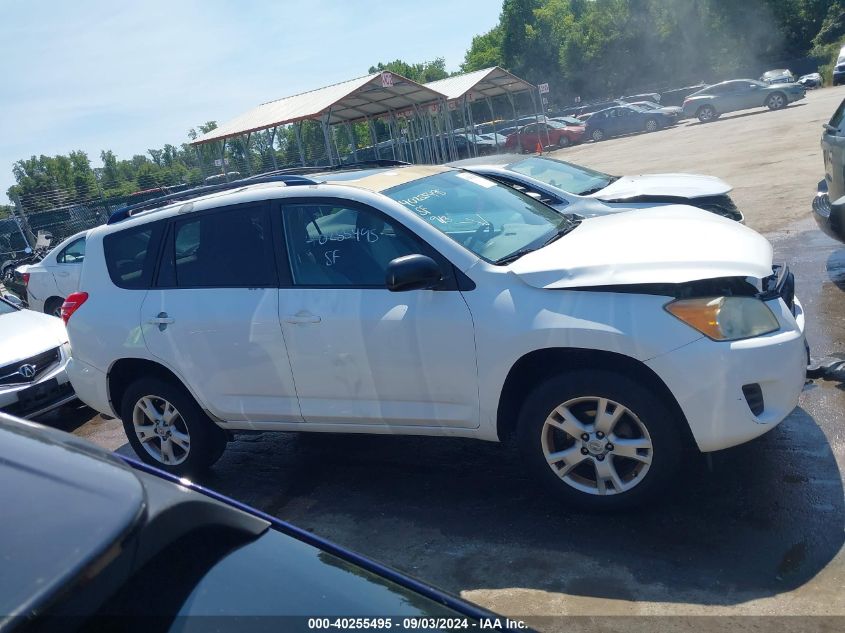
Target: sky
(98, 74)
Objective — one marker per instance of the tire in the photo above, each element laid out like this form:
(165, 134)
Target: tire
(53, 306)
(651, 125)
(597, 135)
(706, 113)
(205, 440)
(563, 141)
(776, 101)
(646, 424)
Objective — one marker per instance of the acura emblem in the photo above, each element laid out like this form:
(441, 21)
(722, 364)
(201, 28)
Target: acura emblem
(27, 371)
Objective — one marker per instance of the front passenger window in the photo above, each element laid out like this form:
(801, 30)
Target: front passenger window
(339, 246)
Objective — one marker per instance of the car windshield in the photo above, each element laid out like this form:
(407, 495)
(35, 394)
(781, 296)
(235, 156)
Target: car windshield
(557, 173)
(647, 105)
(6, 308)
(570, 120)
(492, 220)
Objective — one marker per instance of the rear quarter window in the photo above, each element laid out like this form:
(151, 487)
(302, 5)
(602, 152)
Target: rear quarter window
(131, 255)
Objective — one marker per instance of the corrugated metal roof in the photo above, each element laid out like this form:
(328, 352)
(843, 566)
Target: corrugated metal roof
(488, 82)
(354, 100)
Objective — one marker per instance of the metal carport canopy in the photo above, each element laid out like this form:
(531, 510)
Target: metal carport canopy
(354, 100)
(488, 82)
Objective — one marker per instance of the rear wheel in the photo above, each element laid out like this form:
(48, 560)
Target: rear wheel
(776, 101)
(563, 141)
(706, 113)
(599, 439)
(168, 429)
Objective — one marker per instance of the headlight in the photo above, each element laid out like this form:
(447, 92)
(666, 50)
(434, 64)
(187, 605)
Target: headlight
(725, 318)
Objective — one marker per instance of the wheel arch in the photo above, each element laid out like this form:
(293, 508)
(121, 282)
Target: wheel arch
(533, 368)
(125, 370)
(51, 300)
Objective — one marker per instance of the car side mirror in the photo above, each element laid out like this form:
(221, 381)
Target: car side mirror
(413, 272)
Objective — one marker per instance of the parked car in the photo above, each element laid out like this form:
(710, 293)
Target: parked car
(95, 542)
(489, 127)
(779, 76)
(625, 119)
(676, 96)
(645, 96)
(52, 279)
(829, 204)
(740, 94)
(581, 110)
(651, 106)
(34, 352)
(812, 80)
(549, 133)
(567, 120)
(585, 192)
(426, 300)
(839, 68)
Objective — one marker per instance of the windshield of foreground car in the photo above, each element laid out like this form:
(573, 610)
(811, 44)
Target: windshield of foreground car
(557, 173)
(489, 219)
(6, 308)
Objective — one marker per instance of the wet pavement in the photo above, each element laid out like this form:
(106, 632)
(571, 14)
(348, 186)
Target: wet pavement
(754, 530)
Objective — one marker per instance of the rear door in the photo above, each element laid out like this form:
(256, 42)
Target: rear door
(362, 354)
(212, 315)
(68, 266)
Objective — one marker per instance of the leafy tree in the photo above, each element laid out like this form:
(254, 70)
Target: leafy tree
(421, 73)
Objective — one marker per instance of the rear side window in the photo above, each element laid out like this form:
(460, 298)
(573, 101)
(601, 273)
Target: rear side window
(836, 119)
(130, 255)
(73, 253)
(228, 248)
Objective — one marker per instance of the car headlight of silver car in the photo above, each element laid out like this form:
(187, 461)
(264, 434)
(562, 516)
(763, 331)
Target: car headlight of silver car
(725, 318)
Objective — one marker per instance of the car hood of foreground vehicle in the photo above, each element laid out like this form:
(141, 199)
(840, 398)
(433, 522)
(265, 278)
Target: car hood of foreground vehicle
(660, 185)
(668, 244)
(25, 333)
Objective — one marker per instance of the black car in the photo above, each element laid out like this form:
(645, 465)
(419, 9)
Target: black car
(829, 203)
(90, 541)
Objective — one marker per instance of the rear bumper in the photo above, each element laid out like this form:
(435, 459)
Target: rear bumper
(91, 386)
(707, 379)
(830, 220)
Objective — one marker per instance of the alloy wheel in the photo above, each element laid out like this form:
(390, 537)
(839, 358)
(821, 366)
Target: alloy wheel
(161, 430)
(596, 445)
(776, 102)
(651, 125)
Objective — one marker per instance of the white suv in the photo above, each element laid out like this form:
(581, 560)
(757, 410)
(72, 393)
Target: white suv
(432, 301)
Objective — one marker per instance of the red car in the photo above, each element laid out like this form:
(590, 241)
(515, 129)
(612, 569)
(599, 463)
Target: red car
(527, 137)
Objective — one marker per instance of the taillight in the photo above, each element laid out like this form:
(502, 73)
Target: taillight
(25, 277)
(72, 303)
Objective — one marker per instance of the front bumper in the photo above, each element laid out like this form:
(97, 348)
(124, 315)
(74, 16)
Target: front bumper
(707, 378)
(831, 220)
(50, 391)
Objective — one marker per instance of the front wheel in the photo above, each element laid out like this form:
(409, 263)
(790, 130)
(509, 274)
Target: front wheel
(168, 429)
(597, 135)
(651, 125)
(599, 439)
(777, 101)
(706, 113)
(563, 141)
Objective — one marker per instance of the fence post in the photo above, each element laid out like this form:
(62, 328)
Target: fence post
(22, 221)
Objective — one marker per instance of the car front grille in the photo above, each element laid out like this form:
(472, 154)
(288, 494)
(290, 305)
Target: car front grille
(720, 205)
(28, 370)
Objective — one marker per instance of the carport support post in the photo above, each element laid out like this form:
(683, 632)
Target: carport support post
(493, 121)
(536, 118)
(272, 134)
(223, 160)
(324, 124)
(245, 146)
(453, 149)
(297, 131)
(542, 109)
(513, 106)
(352, 142)
(472, 127)
(374, 137)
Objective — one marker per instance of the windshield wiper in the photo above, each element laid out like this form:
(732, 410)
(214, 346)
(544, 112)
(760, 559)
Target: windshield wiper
(610, 181)
(570, 225)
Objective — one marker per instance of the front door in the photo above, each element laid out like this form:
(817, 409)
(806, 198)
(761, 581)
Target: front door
(213, 315)
(360, 353)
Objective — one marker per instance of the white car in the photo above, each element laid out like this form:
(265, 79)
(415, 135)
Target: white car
(426, 300)
(585, 192)
(56, 276)
(33, 358)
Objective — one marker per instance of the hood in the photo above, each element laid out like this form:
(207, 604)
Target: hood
(668, 244)
(673, 185)
(25, 333)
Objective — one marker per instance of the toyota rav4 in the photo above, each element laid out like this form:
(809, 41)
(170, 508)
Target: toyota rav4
(433, 301)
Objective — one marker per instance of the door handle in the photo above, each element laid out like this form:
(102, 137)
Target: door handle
(302, 318)
(162, 320)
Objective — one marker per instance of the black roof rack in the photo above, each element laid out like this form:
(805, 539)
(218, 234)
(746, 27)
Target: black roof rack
(128, 211)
